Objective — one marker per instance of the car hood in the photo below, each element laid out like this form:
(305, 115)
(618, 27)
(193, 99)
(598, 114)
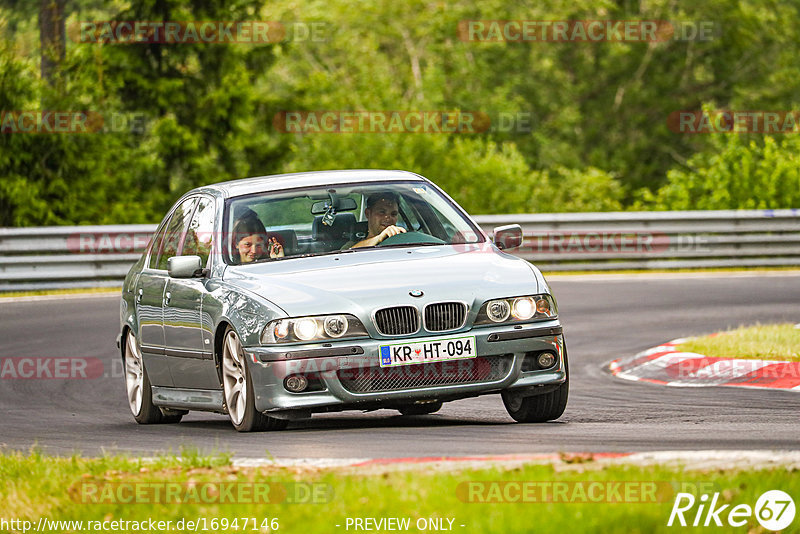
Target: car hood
(363, 281)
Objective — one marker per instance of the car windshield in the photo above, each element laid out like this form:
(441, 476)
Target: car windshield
(330, 220)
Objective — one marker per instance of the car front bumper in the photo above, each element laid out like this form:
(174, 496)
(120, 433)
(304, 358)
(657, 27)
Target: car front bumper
(343, 371)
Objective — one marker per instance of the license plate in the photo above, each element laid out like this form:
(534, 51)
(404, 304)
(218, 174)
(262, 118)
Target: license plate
(428, 350)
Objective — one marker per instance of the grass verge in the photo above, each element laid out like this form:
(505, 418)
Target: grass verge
(313, 500)
(760, 342)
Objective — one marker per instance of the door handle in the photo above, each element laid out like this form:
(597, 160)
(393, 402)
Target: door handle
(166, 298)
(139, 294)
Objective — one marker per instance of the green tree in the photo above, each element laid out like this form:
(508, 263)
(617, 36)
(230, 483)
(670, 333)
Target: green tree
(735, 174)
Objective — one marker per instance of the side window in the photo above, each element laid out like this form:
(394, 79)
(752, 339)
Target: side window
(198, 238)
(175, 230)
(156, 246)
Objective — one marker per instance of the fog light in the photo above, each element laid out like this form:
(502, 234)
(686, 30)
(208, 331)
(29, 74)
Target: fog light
(296, 383)
(546, 359)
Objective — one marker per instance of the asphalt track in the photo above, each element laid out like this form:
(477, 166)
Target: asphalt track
(603, 319)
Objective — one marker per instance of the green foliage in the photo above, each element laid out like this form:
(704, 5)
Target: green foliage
(46, 178)
(737, 174)
(483, 176)
(597, 137)
(195, 105)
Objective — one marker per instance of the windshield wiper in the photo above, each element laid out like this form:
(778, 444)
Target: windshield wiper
(318, 254)
(398, 245)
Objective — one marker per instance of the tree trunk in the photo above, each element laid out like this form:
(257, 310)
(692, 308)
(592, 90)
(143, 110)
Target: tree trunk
(52, 36)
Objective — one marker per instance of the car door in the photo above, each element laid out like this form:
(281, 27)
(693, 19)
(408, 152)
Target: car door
(188, 351)
(149, 295)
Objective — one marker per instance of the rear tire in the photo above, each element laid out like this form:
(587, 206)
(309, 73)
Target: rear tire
(539, 408)
(420, 409)
(139, 390)
(237, 387)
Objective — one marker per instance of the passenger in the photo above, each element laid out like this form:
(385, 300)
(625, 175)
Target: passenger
(382, 211)
(251, 241)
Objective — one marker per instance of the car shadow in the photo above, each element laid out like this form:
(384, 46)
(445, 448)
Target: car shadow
(356, 422)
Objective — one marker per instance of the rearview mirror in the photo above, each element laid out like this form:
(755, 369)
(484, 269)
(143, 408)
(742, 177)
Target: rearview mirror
(184, 266)
(342, 204)
(508, 236)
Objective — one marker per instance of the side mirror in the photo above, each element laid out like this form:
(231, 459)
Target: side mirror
(184, 266)
(508, 236)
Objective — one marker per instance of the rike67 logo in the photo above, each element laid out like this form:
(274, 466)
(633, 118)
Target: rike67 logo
(774, 510)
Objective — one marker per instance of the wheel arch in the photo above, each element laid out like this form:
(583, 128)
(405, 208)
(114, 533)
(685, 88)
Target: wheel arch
(128, 321)
(219, 337)
(123, 339)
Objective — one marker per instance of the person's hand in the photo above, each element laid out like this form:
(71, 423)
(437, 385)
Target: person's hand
(390, 231)
(387, 232)
(275, 248)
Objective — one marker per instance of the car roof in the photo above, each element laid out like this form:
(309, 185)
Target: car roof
(246, 186)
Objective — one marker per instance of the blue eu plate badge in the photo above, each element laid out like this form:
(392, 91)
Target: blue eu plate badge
(386, 356)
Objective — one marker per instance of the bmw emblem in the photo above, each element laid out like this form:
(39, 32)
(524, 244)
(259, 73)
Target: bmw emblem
(416, 293)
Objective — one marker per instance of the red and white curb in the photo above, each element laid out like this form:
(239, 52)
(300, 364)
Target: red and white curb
(704, 459)
(668, 366)
(456, 462)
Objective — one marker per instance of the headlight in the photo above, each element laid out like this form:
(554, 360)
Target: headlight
(314, 328)
(335, 325)
(498, 310)
(306, 329)
(517, 309)
(523, 308)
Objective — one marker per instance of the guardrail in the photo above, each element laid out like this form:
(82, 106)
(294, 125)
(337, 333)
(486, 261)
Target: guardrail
(95, 256)
(657, 239)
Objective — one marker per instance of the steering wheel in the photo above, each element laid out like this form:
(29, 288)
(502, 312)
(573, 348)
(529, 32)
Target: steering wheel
(410, 238)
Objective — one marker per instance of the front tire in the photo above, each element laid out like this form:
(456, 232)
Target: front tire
(237, 387)
(137, 385)
(540, 408)
(420, 409)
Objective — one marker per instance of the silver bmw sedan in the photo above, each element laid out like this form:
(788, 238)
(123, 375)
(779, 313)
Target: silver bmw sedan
(270, 299)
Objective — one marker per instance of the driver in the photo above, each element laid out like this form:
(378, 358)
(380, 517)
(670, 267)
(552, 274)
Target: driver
(381, 211)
